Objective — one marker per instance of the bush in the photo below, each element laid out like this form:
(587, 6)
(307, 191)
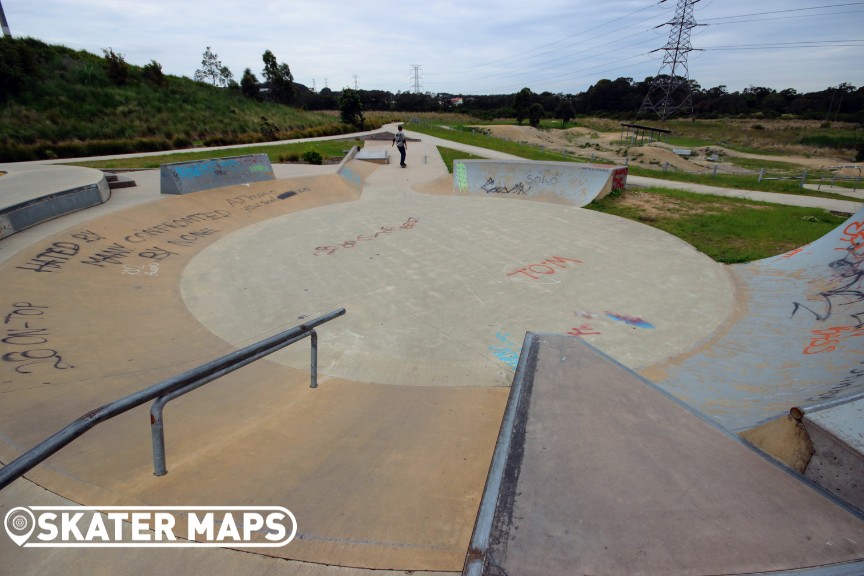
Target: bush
(312, 157)
(152, 72)
(269, 129)
(116, 67)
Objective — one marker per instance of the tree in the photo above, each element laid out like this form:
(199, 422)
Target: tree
(535, 114)
(521, 102)
(249, 85)
(280, 82)
(351, 108)
(212, 70)
(565, 112)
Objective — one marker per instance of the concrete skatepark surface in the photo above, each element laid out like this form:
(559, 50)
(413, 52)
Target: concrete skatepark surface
(384, 463)
(793, 340)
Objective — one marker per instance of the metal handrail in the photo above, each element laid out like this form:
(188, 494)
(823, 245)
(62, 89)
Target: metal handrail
(171, 388)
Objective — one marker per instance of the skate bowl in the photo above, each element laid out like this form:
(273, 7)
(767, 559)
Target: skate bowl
(561, 182)
(384, 463)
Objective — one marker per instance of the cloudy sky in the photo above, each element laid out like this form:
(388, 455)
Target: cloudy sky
(468, 46)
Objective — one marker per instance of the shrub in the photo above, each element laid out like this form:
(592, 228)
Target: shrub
(312, 157)
(116, 67)
(269, 129)
(152, 73)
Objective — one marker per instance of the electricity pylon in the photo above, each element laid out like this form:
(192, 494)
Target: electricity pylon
(670, 90)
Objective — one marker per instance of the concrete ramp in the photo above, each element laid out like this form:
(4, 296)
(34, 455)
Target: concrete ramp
(795, 339)
(596, 471)
(197, 175)
(561, 182)
(30, 195)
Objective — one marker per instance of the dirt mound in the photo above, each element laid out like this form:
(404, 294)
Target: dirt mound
(607, 147)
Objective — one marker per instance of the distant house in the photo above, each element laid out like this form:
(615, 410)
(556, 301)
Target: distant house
(456, 101)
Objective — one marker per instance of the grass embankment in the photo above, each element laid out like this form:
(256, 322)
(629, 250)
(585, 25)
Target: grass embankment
(729, 230)
(331, 150)
(60, 103)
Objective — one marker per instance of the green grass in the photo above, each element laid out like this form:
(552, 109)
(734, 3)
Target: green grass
(729, 230)
(472, 138)
(449, 155)
(276, 153)
(61, 103)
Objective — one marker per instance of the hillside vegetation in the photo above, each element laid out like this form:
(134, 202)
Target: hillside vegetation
(58, 103)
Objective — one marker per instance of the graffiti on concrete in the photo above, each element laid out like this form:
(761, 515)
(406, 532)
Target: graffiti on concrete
(330, 250)
(508, 352)
(143, 270)
(351, 176)
(634, 321)
(583, 330)
(793, 253)
(518, 189)
(197, 175)
(842, 293)
(619, 179)
(52, 258)
(171, 226)
(827, 340)
(26, 337)
(547, 267)
(57, 255)
(253, 201)
(460, 176)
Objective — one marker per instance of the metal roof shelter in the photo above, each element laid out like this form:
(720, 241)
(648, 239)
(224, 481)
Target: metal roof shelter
(639, 132)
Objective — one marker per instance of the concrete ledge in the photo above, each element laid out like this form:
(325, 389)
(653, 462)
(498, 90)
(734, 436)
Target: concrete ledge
(187, 177)
(376, 156)
(837, 435)
(597, 471)
(28, 198)
(562, 182)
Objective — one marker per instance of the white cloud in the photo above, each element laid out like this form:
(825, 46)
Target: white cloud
(478, 47)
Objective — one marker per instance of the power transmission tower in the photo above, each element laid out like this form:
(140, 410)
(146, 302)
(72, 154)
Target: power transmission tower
(3, 23)
(355, 81)
(670, 90)
(417, 86)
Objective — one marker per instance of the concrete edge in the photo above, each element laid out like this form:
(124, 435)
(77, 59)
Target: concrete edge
(506, 464)
(41, 209)
(515, 416)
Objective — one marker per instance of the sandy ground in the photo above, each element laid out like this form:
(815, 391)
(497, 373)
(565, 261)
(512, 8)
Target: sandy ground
(607, 147)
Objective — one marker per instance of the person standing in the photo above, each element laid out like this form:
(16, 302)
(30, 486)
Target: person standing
(402, 144)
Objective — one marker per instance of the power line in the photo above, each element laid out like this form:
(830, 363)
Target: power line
(782, 11)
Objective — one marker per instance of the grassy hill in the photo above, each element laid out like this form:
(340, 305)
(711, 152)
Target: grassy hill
(56, 102)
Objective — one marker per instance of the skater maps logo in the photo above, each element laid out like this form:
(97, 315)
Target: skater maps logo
(144, 526)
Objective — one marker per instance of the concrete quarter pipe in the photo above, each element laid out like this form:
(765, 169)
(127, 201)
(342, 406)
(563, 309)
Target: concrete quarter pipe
(795, 338)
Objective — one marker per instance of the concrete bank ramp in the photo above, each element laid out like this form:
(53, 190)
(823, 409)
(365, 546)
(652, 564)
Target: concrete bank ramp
(795, 339)
(32, 194)
(597, 471)
(561, 182)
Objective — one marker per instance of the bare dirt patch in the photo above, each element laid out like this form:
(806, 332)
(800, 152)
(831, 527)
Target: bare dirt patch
(606, 146)
(652, 206)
